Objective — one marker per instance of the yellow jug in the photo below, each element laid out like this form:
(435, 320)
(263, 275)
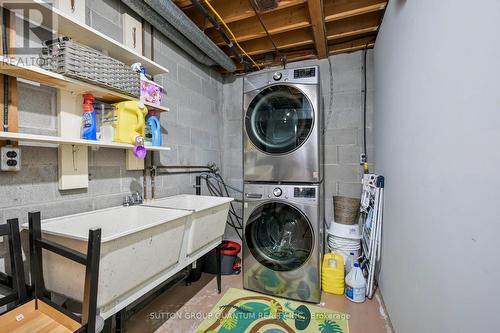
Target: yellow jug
(332, 273)
(129, 121)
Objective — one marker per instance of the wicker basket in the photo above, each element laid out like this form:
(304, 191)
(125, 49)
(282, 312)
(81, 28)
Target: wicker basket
(81, 62)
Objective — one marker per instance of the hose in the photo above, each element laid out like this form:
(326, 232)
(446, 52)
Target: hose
(218, 187)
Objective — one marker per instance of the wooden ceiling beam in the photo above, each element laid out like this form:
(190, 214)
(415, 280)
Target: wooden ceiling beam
(291, 56)
(287, 19)
(340, 9)
(283, 41)
(234, 10)
(350, 46)
(318, 26)
(353, 26)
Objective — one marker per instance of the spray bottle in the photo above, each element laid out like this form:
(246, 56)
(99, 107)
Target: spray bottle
(89, 123)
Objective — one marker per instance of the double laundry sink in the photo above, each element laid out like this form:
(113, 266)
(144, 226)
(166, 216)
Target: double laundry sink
(141, 246)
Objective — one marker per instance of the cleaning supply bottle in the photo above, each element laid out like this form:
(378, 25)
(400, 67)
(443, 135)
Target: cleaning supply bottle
(129, 121)
(349, 262)
(89, 123)
(153, 130)
(355, 285)
(332, 274)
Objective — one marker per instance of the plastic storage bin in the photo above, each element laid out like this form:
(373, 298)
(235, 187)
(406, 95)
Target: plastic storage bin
(208, 221)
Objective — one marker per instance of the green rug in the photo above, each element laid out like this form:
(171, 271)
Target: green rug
(241, 311)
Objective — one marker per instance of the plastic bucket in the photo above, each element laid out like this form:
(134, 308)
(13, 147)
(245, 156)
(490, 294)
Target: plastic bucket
(229, 254)
(346, 209)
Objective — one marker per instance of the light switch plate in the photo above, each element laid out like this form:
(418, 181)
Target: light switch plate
(10, 158)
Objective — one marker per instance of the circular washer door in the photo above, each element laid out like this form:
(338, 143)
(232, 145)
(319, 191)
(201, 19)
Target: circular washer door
(279, 236)
(279, 119)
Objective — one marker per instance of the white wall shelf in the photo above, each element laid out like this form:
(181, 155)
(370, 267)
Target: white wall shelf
(16, 68)
(23, 137)
(65, 25)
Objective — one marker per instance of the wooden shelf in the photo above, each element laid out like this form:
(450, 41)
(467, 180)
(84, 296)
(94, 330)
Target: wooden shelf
(23, 137)
(65, 25)
(13, 67)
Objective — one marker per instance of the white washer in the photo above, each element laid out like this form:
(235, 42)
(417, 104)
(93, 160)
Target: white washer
(282, 126)
(283, 240)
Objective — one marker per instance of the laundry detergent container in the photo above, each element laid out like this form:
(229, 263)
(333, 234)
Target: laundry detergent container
(207, 223)
(138, 245)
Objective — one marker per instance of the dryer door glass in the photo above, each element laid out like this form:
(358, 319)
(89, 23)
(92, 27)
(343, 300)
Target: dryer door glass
(279, 119)
(279, 236)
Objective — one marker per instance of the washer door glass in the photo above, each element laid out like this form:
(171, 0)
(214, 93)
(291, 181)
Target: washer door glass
(279, 119)
(279, 236)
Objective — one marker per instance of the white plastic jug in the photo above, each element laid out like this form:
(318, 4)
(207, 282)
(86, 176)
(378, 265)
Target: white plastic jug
(355, 285)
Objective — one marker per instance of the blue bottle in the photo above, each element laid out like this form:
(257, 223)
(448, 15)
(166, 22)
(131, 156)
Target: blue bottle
(89, 122)
(153, 130)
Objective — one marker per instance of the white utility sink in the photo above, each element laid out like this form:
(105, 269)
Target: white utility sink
(207, 223)
(139, 244)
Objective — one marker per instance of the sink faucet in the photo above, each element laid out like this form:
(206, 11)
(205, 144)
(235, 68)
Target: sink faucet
(134, 199)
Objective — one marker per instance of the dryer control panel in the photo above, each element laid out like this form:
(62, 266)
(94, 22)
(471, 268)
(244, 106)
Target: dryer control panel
(299, 193)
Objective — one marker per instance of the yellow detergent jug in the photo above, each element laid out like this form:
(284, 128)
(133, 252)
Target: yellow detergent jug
(129, 121)
(332, 274)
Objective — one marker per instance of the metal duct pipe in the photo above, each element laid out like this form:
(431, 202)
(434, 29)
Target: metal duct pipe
(148, 14)
(178, 19)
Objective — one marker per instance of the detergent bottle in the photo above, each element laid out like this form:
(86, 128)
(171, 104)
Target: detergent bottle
(153, 130)
(332, 274)
(129, 121)
(89, 126)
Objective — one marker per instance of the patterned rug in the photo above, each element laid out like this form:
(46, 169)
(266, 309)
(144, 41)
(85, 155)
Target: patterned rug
(241, 311)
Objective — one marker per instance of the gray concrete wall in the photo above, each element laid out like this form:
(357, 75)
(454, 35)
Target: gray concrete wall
(343, 134)
(437, 133)
(192, 128)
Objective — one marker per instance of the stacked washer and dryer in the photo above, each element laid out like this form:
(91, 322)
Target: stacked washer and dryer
(283, 183)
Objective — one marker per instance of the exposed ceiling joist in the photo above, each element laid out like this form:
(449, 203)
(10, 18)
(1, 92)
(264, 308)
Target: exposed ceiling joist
(296, 29)
(353, 26)
(350, 46)
(341, 9)
(318, 26)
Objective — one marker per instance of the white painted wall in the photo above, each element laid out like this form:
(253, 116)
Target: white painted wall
(437, 141)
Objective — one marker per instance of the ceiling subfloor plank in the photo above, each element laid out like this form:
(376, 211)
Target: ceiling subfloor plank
(287, 19)
(318, 26)
(234, 10)
(350, 46)
(282, 41)
(337, 10)
(353, 33)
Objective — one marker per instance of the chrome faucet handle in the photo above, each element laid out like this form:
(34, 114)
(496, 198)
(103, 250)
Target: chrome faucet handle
(127, 201)
(137, 197)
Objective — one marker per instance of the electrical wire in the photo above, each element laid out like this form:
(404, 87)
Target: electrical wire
(230, 32)
(330, 104)
(365, 162)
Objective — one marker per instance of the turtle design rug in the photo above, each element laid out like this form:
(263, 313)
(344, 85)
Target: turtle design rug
(242, 311)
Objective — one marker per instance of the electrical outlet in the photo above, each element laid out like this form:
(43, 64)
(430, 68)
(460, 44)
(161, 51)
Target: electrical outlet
(362, 158)
(10, 159)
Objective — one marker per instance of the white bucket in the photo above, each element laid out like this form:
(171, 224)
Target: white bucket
(344, 246)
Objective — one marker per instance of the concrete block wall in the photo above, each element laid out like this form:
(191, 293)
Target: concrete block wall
(343, 125)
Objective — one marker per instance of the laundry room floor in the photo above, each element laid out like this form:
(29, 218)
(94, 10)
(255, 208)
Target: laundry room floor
(180, 309)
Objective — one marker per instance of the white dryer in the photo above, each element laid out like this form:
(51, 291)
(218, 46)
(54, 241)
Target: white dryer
(282, 126)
